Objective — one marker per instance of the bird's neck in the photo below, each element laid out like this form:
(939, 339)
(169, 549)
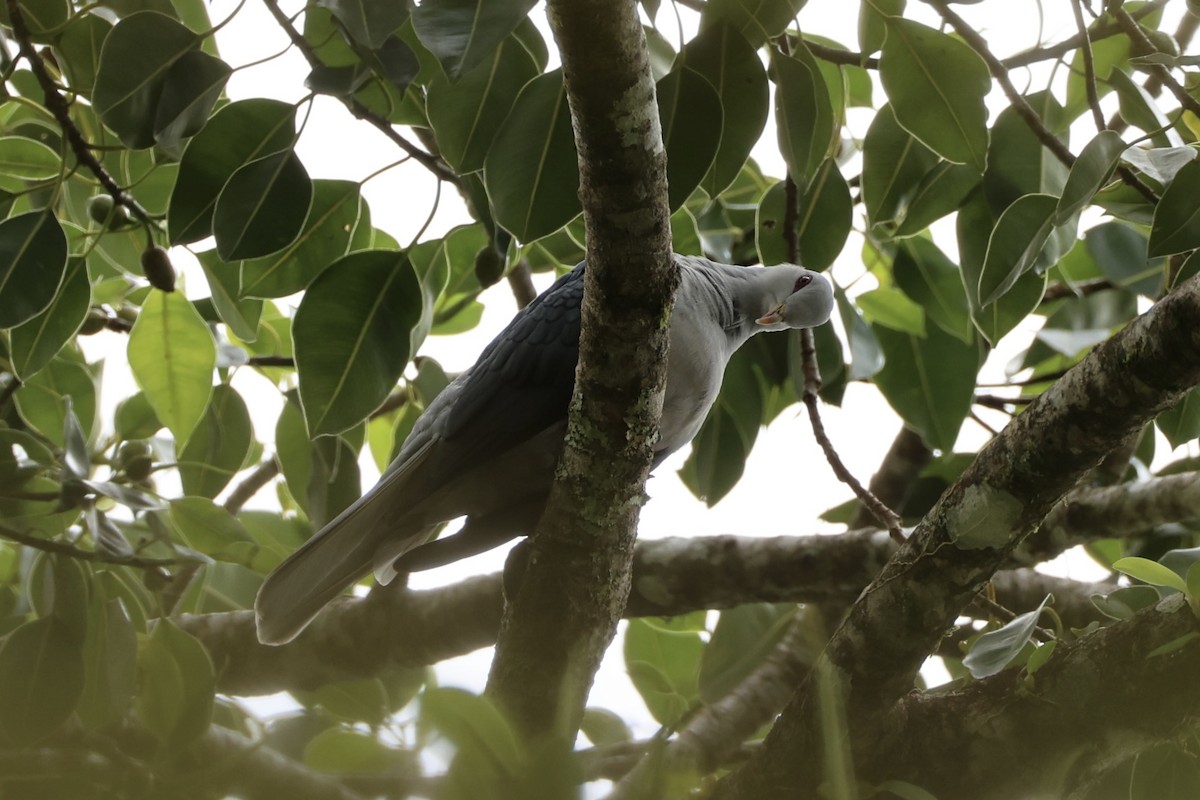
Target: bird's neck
(719, 292)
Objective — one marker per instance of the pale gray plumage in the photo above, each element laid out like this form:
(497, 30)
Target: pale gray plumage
(486, 447)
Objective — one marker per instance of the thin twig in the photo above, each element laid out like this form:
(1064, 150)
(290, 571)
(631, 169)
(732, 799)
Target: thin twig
(360, 111)
(1143, 44)
(1001, 403)
(1060, 291)
(1089, 65)
(61, 109)
(263, 474)
(1096, 34)
(10, 388)
(287, 362)
(64, 549)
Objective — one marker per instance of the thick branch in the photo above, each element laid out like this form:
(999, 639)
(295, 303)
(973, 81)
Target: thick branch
(564, 614)
(995, 504)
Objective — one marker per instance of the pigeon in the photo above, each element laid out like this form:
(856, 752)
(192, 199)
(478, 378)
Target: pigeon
(487, 446)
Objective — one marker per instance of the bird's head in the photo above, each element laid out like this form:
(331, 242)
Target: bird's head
(798, 298)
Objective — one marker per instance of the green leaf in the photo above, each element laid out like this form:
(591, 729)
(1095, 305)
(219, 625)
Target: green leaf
(28, 159)
(891, 308)
(531, 170)
(41, 680)
(1160, 163)
(724, 57)
(338, 751)
(941, 191)
(925, 274)
(465, 33)
(743, 638)
(894, 163)
(1089, 173)
(42, 17)
(263, 207)
(78, 50)
(1176, 227)
(872, 22)
(239, 133)
(241, 315)
(176, 683)
(351, 337)
(1018, 162)
(209, 529)
(866, 356)
(324, 238)
(1150, 572)
(362, 700)
(474, 726)
(824, 217)
(41, 401)
(803, 114)
(137, 55)
(110, 656)
(1165, 771)
(602, 726)
(1119, 251)
(32, 344)
(33, 259)
(930, 381)
(1181, 422)
(997, 319)
(135, 419)
(663, 661)
(757, 20)
(190, 89)
(690, 111)
(463, 112)
(936, 85)
(1018, 237)
(172, 356)
(368, 21)
(218, 446)
(994, 650)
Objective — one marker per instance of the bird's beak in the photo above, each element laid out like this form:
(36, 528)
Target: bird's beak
(772, 317)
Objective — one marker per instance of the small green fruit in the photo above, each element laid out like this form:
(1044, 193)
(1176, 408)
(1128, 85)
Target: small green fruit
(489, 266)
(105, 212)
(135, 459)
(156, 264)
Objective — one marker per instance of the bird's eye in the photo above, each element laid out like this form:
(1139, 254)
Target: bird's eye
(801, 282)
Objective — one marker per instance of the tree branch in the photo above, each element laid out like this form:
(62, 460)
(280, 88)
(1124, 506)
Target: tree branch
(995, 504)
(564, 614)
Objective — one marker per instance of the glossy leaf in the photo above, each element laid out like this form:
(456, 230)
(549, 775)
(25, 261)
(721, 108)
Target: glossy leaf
(995, 650)
(1119, 251)
(1150, 572)
(351, 337)
(1018, 162)
(531, 171)
(942, 190)
(893, 309)
(210, 529)
(33, 259)
(894, 163)
(465, 113)
(872, 22)
(1176, 227)
(936, 85)
(137, 56)
(465, 33)
(803, 114)
(239, 133)
(723, 56)
(175, 686)
(1014, 245)
(368, 21)
(930, 381)
(1089, 173)
(1181, 422)
(924, 273)
(324, 238)
(41, 680)
(263, 207)
(690, 111)
(33, 343)
(41, 401)
(866, 355)
(172, 356)
(824, 217)
(190, 89)
(241, 315)
(997, 319)
(757, 20)
(218, 446)
(78, 49)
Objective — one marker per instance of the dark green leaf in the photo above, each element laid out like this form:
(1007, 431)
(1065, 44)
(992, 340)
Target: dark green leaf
(531, 170)
(758, 20)
(894, 163)
(41, 680)
(241, 315)
(191, 88)
(930, 381)
(1089, 173)
(464, 33)
(218, 446)
(1018, 162)
(78, 50)
(135, 418)
(926, 275)
(175, 686)
(33, 259)
(172, 355)
(135, 61)
(239, 133)
(690, 110)
(464, 113)
(866, 357)
(34, 343)
(1119, 250)
(936, 85)
(1181, 423)
(324, 238)
(368, 21)
(1165, 771)
(941, 191)
(28, 159)
(41, 400)
(872, 25)
(263, 207)
(1139, 108)
(334, 482)
(803, 115)
(994, 650)
(724, 57)
(824, 217)
(743, 638)
(1014, 245)
(351, 337)
(110, 657)
(996, 319)
(1176, 227)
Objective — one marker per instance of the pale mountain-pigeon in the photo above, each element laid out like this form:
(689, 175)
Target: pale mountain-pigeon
(487, 446)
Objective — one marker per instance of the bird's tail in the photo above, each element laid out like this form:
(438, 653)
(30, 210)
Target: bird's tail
(338, 555)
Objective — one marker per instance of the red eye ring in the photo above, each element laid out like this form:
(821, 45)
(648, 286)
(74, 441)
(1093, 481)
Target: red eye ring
(801, 282)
